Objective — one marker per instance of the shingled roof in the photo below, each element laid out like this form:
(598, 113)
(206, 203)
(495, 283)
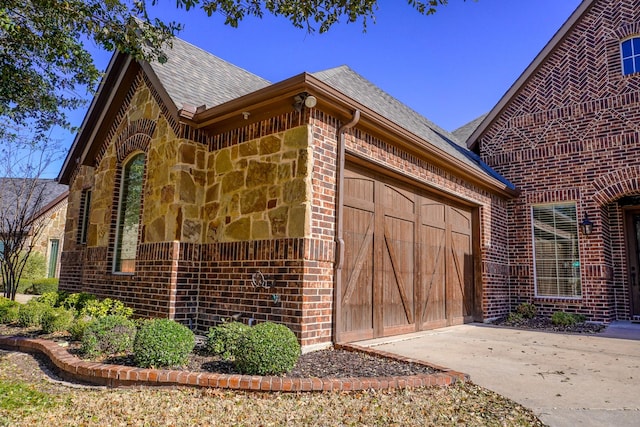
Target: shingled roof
(39, 195)
(464, 132)
(192, 76)
(352, 84)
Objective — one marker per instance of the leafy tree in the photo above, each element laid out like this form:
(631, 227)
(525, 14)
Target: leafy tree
(23, 195)
(44, 61)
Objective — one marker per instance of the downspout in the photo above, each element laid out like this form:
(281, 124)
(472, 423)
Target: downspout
(339, 212)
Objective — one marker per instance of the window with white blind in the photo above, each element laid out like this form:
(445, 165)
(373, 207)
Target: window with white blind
(556, 257)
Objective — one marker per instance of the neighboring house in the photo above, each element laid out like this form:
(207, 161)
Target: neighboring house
(567, 134)
(45, 211)
(199, 191)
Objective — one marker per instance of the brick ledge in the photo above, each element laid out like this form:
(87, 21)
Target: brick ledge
(71, 367)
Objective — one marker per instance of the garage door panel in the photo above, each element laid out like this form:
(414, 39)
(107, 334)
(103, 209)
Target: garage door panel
(357, 272)
(398, 273)
(432, 255)
(408, 259)
(462, 264)
(399, 203)
(432, 212)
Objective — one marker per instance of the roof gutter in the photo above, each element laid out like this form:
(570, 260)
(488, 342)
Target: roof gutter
(344, 105)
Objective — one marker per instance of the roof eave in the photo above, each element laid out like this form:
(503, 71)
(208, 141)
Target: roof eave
(528, 72)
(334, 100)
(93, 116)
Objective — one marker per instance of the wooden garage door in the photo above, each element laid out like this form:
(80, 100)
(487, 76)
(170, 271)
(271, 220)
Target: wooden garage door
(408, 261)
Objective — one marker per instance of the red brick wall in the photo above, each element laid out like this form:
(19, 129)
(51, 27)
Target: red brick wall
(492, 208)
(571, 134)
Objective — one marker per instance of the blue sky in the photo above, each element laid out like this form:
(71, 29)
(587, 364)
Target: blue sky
(451, 67)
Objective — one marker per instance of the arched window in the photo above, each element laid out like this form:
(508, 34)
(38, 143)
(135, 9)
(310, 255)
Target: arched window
(630, 50)
(129, 215)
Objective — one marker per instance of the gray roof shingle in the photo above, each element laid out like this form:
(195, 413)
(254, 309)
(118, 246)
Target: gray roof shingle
(465, 131)
(195, 77)
(352, 84)
(14, 192)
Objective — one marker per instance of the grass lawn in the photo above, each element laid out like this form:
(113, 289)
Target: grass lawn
(28, 397)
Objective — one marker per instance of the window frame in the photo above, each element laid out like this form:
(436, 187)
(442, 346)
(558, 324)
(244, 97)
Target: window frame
(85, 210)
(54, 256)
(634, 55)
(575, 261)
(116, 266)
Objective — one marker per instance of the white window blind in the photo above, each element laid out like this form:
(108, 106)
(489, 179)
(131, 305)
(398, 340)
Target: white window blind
(556, 257)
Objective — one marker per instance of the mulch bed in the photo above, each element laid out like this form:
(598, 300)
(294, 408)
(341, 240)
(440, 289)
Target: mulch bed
(544, 324)
(328, 363)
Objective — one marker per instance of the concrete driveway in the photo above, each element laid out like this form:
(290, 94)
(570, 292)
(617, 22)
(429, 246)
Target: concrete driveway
(567, 380)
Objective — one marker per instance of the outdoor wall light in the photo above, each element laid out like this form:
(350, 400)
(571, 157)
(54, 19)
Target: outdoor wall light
(586, 226)
(305, 99)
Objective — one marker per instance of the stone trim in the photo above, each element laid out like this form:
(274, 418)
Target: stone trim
(72, 367)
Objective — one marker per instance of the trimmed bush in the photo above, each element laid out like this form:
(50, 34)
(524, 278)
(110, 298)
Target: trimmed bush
(24, 286)
(267, 349)
(30, 314)
(107, 307)
(78, 326)
(43, 286)
(35, 267)
(77, 301)
(8, 310)
(222, 340)
(57, 319)
(162, 343)
(527, 310)
(561, 318)
(108, 335)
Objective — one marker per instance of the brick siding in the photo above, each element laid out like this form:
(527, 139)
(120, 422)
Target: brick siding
(571, 134)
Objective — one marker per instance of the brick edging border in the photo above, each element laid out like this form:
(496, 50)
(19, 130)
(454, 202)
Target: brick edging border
(71, 367)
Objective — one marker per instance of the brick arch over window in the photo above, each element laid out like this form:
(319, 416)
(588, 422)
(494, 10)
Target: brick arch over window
(135, 137)
(617, 184)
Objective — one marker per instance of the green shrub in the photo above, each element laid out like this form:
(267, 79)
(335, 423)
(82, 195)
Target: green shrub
(514, 318)
(30, 314)
(267, 349)
(527, 310)
(57, 319)
(42, 286)
(108, 335)
(24, 286)
(222, 340)
(107, 307)
(49, 298)
(77, 301)
(561, 318)
(35, 266)
(162, 343)
(78, 326)
(8, 310)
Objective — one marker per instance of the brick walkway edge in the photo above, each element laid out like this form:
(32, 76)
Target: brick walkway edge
(71, 367)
